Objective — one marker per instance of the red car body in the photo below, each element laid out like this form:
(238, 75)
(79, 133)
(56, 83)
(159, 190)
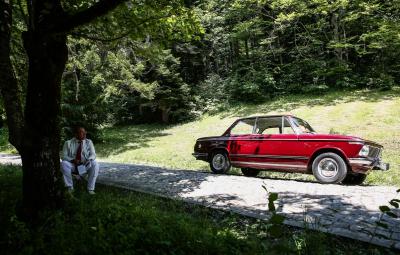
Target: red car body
(294, 151)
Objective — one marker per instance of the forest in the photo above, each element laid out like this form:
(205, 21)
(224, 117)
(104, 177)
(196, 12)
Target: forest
(147, 78)
(169, 65)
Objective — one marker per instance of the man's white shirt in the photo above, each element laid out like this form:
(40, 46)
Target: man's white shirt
(71, 146)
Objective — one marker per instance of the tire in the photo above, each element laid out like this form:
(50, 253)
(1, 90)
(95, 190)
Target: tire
(329, 168)
(250, 172)
(354, 179)
(220, 163)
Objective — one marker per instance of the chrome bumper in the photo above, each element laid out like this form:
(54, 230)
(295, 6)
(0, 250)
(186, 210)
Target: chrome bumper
(375, 164)
(200, 156)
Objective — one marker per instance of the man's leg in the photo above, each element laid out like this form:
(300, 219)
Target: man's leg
(66, 168)
(93, 171)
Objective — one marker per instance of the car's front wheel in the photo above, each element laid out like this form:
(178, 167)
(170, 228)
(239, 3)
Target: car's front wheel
(220, 163)
(354, 179)
(329, 168)
(250, 172)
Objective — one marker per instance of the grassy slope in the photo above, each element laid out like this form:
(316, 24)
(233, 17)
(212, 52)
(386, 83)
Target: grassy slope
(117, 221)
(368, 114)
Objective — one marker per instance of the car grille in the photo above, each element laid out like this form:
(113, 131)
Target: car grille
(374, 152)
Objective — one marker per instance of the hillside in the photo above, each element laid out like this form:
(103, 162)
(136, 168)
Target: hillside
(368, 114)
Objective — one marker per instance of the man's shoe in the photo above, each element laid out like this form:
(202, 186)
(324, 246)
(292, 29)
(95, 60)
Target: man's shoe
(91, 192)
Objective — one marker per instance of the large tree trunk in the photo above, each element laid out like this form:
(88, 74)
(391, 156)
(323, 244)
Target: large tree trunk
(42, 181)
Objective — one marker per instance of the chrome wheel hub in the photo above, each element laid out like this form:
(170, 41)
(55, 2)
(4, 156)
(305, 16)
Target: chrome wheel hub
(219, 161)
(328, 168)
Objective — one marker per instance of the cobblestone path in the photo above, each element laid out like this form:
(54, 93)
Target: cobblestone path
(350, 211)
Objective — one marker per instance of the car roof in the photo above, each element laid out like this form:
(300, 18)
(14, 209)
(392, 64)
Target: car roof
(267, 116)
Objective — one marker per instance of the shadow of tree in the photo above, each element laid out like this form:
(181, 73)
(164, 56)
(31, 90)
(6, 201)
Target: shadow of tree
(341, 210)
(119, 139)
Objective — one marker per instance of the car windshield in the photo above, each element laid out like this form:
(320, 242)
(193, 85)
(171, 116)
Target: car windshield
(302, 126)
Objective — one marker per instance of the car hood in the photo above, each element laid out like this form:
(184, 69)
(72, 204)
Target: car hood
(317, 136)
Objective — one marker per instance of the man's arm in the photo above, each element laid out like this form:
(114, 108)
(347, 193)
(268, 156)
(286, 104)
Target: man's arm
(65, 155)
(92, 152)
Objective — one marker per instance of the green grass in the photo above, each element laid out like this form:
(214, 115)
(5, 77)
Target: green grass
(116, 221)
(368, 114)
(373, 115)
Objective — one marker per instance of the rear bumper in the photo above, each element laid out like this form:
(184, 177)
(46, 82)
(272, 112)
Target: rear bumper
(200, 156)
(363, 165)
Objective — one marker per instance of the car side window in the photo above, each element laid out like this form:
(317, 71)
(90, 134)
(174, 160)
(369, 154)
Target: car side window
(243, 127)
(287, 128)
(273, 126)
(270, 126)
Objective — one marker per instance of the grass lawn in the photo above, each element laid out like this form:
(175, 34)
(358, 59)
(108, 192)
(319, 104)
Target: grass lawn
(116, 221)
(369, 114)
(372, 115)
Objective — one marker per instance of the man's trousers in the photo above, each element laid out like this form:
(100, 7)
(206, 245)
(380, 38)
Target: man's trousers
(92, 171)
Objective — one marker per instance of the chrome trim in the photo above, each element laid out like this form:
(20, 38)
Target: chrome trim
(295, 129)
(360, 161)
(200, 154)
(275, 139)
(268, 156)
(353, 142)
(267, 164)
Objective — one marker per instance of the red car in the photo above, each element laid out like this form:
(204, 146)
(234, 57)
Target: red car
(287, 143)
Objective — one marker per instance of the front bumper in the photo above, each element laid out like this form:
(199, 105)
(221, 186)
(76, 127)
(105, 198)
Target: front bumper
(200, 156)
(365, 164)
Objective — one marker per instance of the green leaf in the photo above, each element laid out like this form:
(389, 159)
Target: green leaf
(273, 197)
(384, 208)
(275, 230)
(271, 206)
(394, 204)
(264, 187)
(277, 219)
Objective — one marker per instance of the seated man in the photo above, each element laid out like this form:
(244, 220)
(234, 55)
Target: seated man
(79, 153)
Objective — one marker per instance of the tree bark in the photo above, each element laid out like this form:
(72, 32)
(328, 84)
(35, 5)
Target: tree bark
(47, 53)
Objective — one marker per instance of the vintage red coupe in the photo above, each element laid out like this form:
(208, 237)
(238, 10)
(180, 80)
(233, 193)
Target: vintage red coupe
(287, 143)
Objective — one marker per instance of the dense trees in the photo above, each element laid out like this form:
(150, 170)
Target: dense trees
(249, 50)
(260, 48)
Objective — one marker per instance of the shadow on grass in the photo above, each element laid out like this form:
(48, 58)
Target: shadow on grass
(116, 140)
(343, 213)
(291, 102)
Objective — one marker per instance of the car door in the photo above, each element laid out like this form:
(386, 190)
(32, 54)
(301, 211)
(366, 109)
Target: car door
(277, 145)
(240, 137)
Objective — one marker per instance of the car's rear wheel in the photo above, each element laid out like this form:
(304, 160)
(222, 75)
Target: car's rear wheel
(250, 172)
(354, 179)
(219, 162)
(329, 168)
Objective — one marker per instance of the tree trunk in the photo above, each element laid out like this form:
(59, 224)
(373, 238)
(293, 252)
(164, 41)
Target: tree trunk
(42, 183)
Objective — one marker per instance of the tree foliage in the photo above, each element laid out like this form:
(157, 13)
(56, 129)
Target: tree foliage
(261, 48)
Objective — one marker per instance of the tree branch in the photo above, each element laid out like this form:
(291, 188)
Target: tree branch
(122, 35)
(83, 17)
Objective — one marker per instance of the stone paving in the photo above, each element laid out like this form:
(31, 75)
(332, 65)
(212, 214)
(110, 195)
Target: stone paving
(349, 211)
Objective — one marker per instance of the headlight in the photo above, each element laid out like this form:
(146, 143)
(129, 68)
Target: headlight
(364, 151)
